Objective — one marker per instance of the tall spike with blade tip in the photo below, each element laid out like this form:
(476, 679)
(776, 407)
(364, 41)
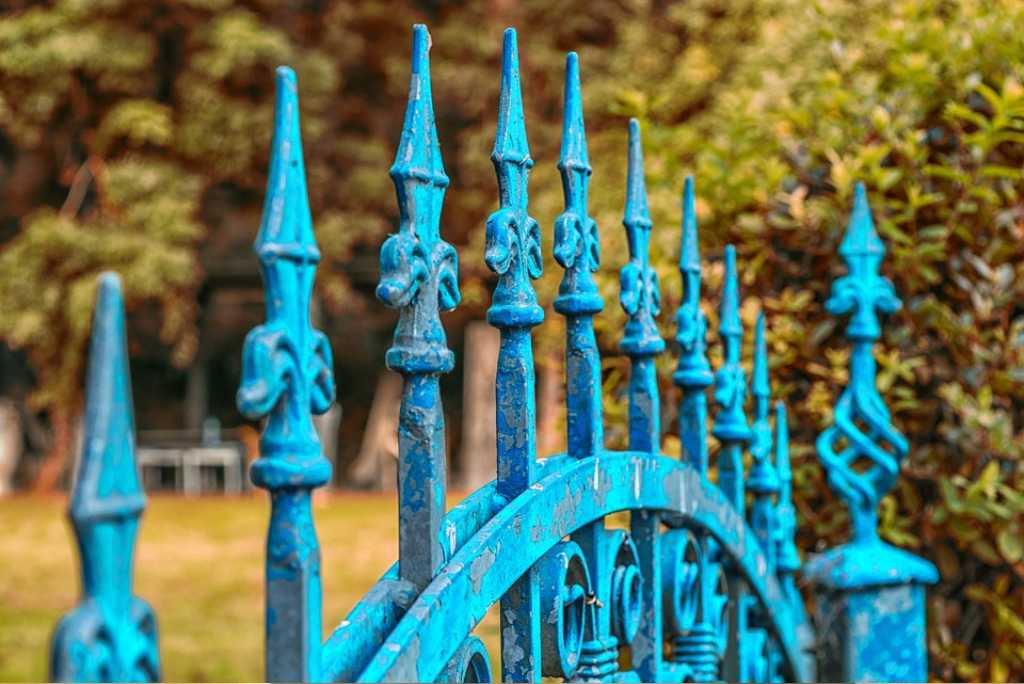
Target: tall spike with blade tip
(731, 390)
(112, 635)
(693, 374)
(763, 480)
(419, 277)
(513, 253)
(287, 375)
(787, 557)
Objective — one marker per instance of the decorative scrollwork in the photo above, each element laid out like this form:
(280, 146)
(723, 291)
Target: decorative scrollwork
(471, 663)
(861, 429)
(565, 611)
(627, 582)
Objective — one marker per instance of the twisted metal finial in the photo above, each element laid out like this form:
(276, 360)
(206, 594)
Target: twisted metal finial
(578, 249)
(111, 635)
(863, 292)
(763, 480)
(641, 300)
(693, 374)
(730, 425)
(419, 277)
(286, 374)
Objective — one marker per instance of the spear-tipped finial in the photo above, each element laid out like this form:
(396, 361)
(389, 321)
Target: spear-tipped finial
(577, 246)
(419, 270)
(106, 504)
(513, 236)
(731, 390)
(763, 478)
(640, 295)
(788, 559)
(510, 143)
(689, 253)
(863, 291)
(286, 230)
(107, 483)
(861, 238)
(574, 137)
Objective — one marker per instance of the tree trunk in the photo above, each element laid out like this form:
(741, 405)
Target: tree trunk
(56, 460)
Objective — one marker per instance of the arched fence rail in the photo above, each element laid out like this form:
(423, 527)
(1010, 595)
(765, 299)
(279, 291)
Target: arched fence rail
(697, 588)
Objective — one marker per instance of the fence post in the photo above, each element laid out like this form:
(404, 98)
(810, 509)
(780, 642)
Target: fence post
(287, 373)
(870, 595)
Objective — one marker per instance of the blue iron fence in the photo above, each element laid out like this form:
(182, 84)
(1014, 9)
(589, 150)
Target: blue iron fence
(696, 589)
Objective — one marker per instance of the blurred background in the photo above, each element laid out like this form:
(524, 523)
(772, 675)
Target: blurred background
(135, 136)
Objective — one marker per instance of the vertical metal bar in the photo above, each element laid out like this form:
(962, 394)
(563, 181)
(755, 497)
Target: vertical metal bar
(763, 480)
(698, 647)
(419, 277)
(287, 373)
(513, 252)
(640, 298)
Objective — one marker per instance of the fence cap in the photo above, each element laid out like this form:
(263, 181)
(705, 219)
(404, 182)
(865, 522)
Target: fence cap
(855, 566)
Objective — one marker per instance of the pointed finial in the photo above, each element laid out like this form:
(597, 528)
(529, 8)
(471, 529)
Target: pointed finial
(640, 294)
(731, 379)
(107, 483)
(577, 246)
(760, 387)
(861, 238)
(513, 236)
(419, 270)
(286, 230)
(788, 559)
(729, 327)
(574, 137)
(763, 479)
(689, 253)
(862, 291)
(636, 216)
(510, 143)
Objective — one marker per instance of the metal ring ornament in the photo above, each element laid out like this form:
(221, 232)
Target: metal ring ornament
(564, 588)
(627, 581)
(470, 663)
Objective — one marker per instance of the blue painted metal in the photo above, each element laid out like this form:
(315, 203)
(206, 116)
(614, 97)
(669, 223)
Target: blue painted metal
(111, 636)
(871, 596)
(419, 277)
(287, 374)
(691, 592)
(640, 298)
(513, 253)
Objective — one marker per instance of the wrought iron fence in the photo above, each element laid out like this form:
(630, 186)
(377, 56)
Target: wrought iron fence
(697, 588)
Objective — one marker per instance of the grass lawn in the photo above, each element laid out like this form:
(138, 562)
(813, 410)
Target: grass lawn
(199, 563)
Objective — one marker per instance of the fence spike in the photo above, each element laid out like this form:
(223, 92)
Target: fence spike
(763, 479)
(513, 253)
(287, 373)
(577, 248)
(730, 425)
(641, 300)
(106, 504)
(419, 277)
(693, 372)
(787, 556)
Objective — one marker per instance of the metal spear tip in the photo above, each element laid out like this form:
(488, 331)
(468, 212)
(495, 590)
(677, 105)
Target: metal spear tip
(761, 386)
(636, 215)
(861, 238)
(107, 482)
(689, 252)
(730, 325)
(510, 143)
(418, 158)
(286, 229)
(574, 137)
(782, 442)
